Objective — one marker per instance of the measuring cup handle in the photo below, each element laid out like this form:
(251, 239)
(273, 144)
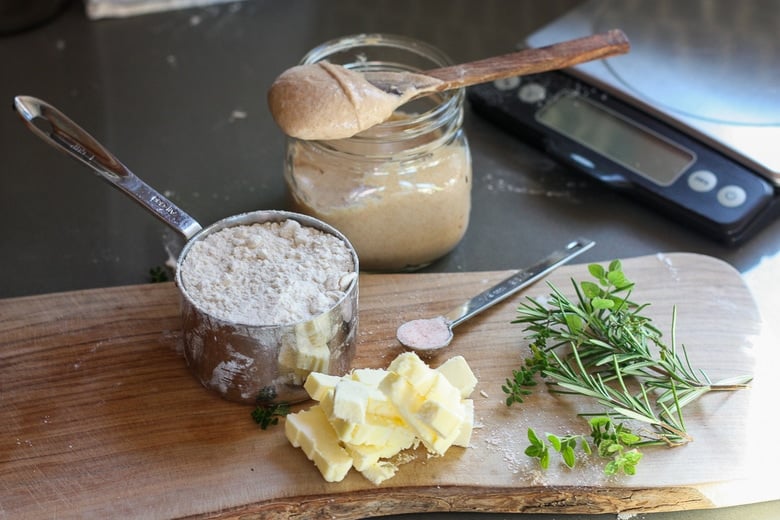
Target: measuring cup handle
(56, 129)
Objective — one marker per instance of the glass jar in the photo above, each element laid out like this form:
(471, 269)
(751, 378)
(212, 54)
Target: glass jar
(400, 191)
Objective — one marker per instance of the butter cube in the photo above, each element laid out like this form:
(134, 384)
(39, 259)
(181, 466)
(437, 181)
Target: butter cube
(306, 349)
(366, 455)
(442, 391)
(441, 408)
(368, 376)
(350, 400)
(466, 426)
(376, 429)
(412, 368)
(409, 401)
(379, 410)
(459, 374)
(310, 431)
(318, 384)
(379, 472)
(441, 419)
(382, 410)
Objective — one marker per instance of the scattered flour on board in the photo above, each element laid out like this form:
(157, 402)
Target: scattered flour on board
(271, 273)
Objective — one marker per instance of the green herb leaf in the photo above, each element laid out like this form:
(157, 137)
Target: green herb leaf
(597, 271)
(568, 456)
(269, 414)
(158, 274)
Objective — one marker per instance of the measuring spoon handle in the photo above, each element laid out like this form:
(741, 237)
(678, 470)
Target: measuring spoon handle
(56, 129)
(516, 282)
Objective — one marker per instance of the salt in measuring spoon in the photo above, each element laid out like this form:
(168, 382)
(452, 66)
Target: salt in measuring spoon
(429, 334)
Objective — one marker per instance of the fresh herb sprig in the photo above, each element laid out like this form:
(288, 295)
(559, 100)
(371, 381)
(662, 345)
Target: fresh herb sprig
(565, 446)
(268, 414)
(158, 274)
(602, 346)
(614, 442)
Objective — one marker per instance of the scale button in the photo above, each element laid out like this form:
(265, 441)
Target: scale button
(532, 93)
(702, 181)
(507, 83)
(731, 196)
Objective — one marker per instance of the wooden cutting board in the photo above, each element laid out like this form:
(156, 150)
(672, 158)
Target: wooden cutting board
(100, 417)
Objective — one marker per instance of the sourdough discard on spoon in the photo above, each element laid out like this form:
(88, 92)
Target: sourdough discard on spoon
(323, 101)
(426, 335)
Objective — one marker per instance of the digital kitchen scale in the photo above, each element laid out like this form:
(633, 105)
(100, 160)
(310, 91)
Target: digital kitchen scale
(688, 120)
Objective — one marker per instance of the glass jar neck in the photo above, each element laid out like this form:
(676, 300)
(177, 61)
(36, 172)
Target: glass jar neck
(417, 127)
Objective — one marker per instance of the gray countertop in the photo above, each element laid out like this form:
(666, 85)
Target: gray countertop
(179, 97)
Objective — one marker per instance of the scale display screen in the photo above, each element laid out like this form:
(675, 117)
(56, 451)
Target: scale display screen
(626, 143)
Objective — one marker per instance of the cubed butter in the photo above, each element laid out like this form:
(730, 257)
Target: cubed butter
(466, 426)
(369, 376)
(318, 384)
(379, 472)
(310, 431)
(412, 368)
(459, 374)
(369, 416)
(350, 400)
(365, 455)
(307, 349)
(441, 419)
(409, 403)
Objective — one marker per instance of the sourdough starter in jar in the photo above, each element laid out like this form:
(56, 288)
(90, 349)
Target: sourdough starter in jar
(400, 191)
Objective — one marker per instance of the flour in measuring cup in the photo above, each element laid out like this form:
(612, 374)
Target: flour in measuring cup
(270, 273)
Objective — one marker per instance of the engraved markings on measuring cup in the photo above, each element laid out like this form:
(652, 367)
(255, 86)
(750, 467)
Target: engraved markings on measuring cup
(163, 205)
(82, 151)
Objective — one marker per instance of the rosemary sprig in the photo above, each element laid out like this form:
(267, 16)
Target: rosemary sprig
(603, 347)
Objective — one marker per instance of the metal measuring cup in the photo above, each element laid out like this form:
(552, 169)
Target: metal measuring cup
(241, 362)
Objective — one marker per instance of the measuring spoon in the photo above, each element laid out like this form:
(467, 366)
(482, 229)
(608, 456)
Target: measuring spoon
(430, 334)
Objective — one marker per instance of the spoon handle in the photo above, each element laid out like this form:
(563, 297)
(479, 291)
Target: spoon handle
(56, 129)
(516, 282)
(532, 60)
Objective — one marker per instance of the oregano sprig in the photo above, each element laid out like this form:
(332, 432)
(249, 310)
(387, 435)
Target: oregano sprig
(614, 442)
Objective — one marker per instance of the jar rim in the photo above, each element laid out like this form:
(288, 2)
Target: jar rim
(435, 117)
(377, 39)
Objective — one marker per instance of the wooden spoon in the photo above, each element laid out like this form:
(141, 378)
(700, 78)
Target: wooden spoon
(324, 101)
(527, 61)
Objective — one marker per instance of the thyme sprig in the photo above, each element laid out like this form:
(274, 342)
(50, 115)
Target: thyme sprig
(267, 415)
(600, 345)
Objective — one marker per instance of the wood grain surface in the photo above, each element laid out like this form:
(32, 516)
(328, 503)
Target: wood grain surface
(101, 418)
